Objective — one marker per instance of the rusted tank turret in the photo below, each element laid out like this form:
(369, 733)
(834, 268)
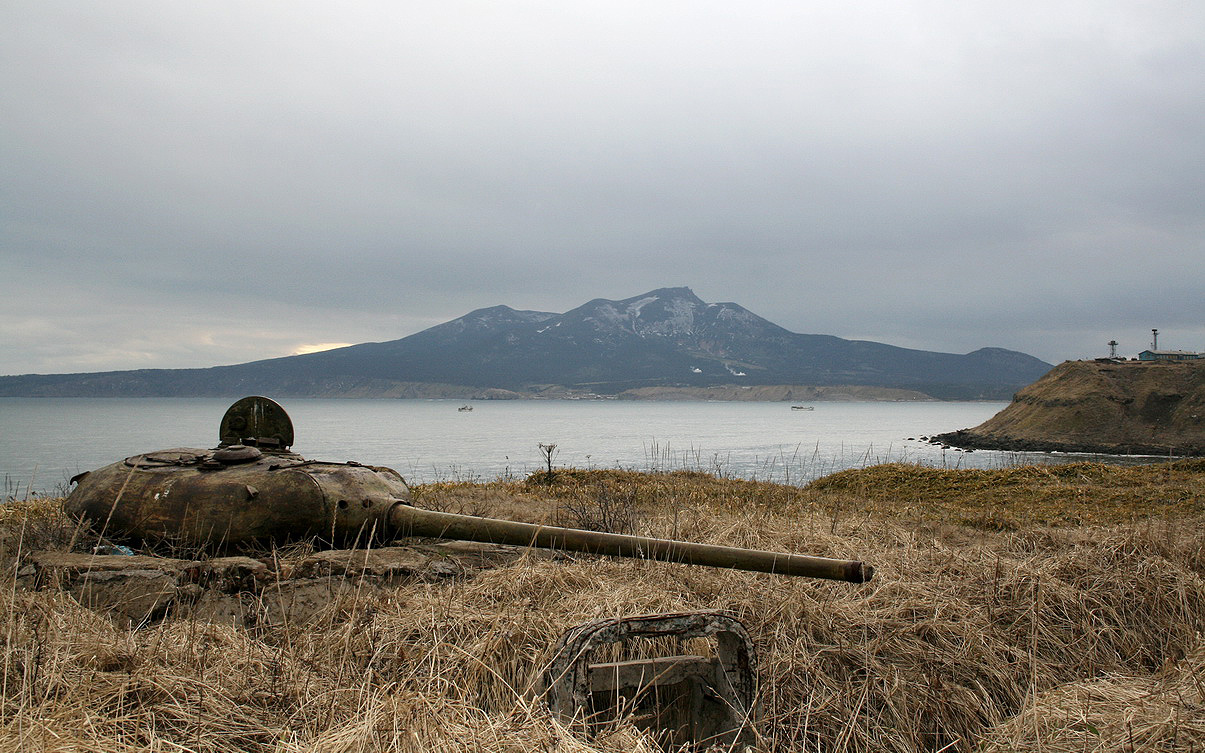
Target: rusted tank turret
(253, 488)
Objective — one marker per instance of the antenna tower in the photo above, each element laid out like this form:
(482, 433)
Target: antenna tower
(1154, 339)
(1112, 349)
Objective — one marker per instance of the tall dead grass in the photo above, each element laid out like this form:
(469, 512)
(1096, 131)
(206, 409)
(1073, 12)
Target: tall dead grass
(1043, 638)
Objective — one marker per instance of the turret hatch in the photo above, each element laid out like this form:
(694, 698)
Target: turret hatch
(257, 422)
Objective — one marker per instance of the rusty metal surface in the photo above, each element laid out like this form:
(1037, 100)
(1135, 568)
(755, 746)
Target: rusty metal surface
(236, 453)
(256, 421)
(414, 521)
(188, 496)
(709, 701)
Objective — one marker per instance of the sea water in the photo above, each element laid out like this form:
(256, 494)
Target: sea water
(45, 441)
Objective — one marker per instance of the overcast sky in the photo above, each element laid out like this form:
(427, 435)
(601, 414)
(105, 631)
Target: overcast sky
(201, 183)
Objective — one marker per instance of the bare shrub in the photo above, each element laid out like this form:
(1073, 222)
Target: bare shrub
(602, 508)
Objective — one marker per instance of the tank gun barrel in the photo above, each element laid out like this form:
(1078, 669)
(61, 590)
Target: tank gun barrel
(412, 521)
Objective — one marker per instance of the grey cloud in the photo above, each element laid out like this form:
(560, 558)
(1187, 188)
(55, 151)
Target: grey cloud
(931, 174)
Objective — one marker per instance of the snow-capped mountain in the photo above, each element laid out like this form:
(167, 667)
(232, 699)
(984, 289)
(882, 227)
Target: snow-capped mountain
(666, 337)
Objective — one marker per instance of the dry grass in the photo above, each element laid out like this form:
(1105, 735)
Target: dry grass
(1056, 632)
(1054, 495)
(1159, 712)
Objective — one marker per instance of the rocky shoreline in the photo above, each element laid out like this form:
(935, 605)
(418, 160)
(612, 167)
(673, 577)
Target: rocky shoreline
(967, 439)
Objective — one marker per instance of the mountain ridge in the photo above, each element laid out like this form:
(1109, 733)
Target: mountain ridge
(667, 337)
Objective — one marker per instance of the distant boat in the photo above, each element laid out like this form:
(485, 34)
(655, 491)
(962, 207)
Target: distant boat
(465, 408)
(803, 407)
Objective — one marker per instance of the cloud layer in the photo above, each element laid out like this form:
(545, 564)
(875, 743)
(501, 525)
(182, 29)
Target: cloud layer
(195, 184)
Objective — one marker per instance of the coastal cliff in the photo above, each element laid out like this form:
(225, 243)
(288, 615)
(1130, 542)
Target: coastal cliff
(1125, 408)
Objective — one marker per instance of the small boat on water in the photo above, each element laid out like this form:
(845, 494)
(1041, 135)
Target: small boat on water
(803, 407)
(465, 408)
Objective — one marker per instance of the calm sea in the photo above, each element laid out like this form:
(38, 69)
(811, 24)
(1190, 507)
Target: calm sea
(45, 441)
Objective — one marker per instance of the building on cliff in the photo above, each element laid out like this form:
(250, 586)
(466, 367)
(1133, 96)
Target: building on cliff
(1169, 355)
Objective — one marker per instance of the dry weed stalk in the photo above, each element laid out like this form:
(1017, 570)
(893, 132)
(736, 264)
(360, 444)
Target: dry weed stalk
(1080, 637)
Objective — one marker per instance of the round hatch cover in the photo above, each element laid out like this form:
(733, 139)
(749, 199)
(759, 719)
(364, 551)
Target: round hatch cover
(237, 453)
(257, 422)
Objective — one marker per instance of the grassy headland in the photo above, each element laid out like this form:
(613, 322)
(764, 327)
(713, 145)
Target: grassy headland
(1122, 408)
(1033, 608)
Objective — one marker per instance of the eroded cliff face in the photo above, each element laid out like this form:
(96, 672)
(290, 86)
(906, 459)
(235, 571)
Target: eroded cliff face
(1092, 406)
